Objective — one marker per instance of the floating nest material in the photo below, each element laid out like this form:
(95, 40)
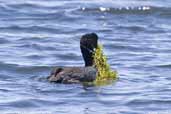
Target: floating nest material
(105, 74)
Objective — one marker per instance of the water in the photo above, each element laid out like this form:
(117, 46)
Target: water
(36, 36)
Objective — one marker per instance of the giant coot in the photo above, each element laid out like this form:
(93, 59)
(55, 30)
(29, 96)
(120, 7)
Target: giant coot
(88, 73)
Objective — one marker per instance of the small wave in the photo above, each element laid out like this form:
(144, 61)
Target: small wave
(4, 90)
(138, 102)
(164, 66)
(25, 5)
(7, 65)
(31, 6)
(132, 28)
(24, 69)
(35, 5)
(33, 46)
(21, 103)
(32, 10)
(4, 41)
(33, 69)
(103, 9)
(130, 10)
(30, 29)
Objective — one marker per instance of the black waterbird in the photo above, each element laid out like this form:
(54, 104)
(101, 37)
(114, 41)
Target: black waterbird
(88, 73)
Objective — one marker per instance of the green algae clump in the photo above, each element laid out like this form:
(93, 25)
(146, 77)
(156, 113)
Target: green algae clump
(105, 74)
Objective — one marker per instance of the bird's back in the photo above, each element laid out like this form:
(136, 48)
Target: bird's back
(73, 74)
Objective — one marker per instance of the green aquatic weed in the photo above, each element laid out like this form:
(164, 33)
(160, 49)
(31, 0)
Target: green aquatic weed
(105, 74)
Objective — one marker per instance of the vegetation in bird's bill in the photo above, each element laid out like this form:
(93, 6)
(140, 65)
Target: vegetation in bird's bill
(105, 74)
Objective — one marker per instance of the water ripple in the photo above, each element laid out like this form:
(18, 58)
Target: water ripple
(36, 36)
(146, 10)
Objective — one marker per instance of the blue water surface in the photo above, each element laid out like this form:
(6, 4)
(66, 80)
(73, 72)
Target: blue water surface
(37, 35)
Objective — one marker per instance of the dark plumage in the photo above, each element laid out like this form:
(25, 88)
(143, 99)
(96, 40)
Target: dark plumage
(88, 44)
